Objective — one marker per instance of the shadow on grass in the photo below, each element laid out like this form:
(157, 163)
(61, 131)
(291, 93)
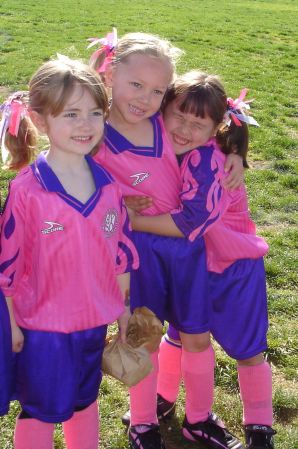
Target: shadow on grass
(172, 434)
(285, 415)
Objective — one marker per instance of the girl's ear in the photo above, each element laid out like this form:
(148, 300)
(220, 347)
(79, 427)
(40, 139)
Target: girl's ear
(109, 75)
(38, 121)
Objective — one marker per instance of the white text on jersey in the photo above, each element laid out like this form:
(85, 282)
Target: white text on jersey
(139, 177)
(53, 227)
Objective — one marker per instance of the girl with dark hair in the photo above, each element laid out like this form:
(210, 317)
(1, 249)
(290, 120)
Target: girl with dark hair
(203, 124)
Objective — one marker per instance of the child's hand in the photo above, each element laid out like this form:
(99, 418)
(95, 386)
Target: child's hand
(131, 213)
(138, 203)
(17, 339)
(234, 166)
(123, 323)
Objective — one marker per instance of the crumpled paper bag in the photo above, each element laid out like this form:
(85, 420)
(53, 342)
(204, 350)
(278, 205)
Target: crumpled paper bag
(144, 329)
(127, 364)
(130, 362)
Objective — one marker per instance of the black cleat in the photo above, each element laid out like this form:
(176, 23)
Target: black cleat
(211, 434)
(258, 436)
(145, 436)
(165, 410)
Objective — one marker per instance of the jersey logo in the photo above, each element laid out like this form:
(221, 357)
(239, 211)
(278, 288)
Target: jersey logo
(110, 222)
(53, 227)
(139, 177)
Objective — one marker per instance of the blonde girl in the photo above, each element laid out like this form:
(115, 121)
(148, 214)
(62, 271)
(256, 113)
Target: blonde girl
(67, 252)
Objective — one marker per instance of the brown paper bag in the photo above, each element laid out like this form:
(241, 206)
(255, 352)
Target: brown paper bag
(144, 329)
(130, 362)
(127, 364)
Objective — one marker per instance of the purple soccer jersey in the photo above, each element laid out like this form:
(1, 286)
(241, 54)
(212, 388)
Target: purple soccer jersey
(151, 171)
(62, 256)
(208, 209)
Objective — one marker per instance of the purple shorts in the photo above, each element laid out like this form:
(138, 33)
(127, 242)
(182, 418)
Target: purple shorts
(172, 333)
(58, 372)
(172, 281)
(6, 357)
(238, 317)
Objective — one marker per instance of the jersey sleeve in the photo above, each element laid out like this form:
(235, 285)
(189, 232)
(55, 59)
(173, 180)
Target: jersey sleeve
(12, 260)
(203, 199)
(127, 256)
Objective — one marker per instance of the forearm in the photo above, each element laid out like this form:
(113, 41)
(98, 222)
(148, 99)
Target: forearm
(124, 281)
(11, 313)
(16, 333)
(159, 224)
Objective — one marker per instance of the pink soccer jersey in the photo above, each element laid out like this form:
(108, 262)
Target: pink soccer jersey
(62, 256)
(151, 171)
(209, 210)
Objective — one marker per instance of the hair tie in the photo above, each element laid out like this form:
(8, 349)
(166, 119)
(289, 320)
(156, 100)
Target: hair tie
(236, 110)
(13, 110)
(107, 46)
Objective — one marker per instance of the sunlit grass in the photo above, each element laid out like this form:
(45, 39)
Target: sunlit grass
(249, 43)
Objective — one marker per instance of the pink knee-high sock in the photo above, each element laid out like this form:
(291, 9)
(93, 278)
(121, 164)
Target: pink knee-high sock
(143, 397)
(31, 433)
(255, 384)
(81, 431)
(198, 375)
(169, 374)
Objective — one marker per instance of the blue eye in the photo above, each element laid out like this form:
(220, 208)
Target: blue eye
(98, 113)
(159, 92)
(136, 84)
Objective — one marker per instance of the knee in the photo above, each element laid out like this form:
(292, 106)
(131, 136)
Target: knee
(195, 342)
(252, 361)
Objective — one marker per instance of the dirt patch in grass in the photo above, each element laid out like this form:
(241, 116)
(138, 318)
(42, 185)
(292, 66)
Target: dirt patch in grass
(260, 165)
(4, 91)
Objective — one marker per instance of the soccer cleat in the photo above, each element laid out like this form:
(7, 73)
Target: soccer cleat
(145, 436)
(165, 410)
(258, 436)
(211, 433)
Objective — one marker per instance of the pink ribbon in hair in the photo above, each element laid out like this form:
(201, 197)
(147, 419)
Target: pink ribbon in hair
(13, 111)
(108, 45)
(236, 110)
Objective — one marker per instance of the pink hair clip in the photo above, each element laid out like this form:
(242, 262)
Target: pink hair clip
(107, 46)
(236, 108)
(13, 110)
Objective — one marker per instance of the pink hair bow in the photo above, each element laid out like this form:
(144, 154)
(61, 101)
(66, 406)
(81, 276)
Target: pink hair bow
(108, 45)
(13, 111)
(236, 108)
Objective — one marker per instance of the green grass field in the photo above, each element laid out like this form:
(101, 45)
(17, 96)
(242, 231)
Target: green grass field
(250, 44)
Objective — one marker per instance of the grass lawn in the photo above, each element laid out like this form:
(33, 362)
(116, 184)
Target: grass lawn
(250, 44)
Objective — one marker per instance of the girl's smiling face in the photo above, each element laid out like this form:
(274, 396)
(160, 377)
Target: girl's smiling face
(78, 128)
(138, 86)
(185, 130)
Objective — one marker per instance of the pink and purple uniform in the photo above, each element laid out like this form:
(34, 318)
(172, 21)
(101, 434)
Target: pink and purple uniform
(166, 263)
(237, 290)
(151, 171)
(62, 258)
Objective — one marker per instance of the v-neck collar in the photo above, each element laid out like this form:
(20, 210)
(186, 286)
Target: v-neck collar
(118, 143)
(50, 182)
